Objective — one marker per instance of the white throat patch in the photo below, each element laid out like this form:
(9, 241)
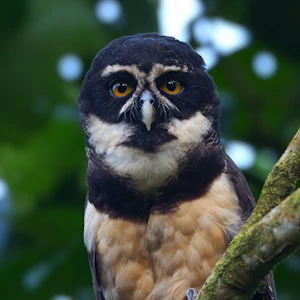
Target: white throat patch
(147, 170)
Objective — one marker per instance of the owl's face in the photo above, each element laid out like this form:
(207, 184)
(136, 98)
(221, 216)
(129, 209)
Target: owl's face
(145, 94)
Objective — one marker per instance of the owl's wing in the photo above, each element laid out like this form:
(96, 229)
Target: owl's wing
(92, 256)
(97, 286)
(247, 204)
(246, 200)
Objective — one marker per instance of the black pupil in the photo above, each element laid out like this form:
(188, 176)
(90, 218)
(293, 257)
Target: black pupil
(122, 88)
(171, 86)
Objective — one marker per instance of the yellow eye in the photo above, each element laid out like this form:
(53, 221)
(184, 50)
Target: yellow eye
(172, 87)
(121, 88)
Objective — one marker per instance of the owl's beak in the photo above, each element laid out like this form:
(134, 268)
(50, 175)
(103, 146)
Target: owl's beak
(147, 114)
(147, 109)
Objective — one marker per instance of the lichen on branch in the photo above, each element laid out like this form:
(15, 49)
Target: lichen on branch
(255, 251)
(280, 182)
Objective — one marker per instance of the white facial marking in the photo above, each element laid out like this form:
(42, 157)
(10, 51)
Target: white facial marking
(147, 110)
(130, 103)
(190, 131)
(106, 137)
(147, 170)
(159, 69)
(133, 70)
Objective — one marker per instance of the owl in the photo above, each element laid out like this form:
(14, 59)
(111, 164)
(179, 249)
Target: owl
(164, 199)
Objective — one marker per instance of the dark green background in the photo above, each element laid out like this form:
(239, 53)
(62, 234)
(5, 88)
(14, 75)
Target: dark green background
(42, 154)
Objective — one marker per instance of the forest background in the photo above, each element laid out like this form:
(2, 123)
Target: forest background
(252, 50)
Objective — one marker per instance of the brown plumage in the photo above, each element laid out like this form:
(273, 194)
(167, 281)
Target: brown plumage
(164, 200)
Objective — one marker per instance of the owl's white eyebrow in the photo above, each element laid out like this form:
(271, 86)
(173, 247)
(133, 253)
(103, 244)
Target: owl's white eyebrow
(132, 69)
(159, 69)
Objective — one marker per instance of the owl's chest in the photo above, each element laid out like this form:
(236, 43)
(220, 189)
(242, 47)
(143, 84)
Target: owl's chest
(170, 253)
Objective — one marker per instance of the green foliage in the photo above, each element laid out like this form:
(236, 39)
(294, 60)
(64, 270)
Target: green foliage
(42, 148)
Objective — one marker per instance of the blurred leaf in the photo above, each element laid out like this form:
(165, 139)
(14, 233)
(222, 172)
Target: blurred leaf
(52, 259)
(37, 168)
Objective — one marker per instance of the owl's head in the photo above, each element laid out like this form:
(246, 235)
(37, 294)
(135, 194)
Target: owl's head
(145, 92)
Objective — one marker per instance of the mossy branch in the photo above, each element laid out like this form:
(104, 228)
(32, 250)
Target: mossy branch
(280, 182)
(254, 253)
(270, 235)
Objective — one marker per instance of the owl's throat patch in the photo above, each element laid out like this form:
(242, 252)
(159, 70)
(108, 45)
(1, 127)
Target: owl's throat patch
(149, 141)
(147, 159)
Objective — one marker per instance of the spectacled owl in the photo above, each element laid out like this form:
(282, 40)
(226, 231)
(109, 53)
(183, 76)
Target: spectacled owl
(164, 199)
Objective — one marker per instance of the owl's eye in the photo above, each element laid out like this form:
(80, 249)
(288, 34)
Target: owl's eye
(172, 87)
(120, 88)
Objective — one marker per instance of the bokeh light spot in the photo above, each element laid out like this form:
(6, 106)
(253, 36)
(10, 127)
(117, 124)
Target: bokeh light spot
(209, 55)
(243, 154)
(225, 36)
(65, 112)
(70, 67)
(3, 190)
(61, 297)
(5, 208)
(108, 11)
(264, 64)
(265, 160)
(174, 17)
(34, 277)
(293, 263)
(203, 30)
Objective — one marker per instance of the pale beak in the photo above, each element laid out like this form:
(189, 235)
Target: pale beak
(147, 114)
(147, 109)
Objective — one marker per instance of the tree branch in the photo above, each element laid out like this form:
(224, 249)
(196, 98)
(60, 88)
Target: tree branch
(255, 251)
(269, 236)
(280, 182)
